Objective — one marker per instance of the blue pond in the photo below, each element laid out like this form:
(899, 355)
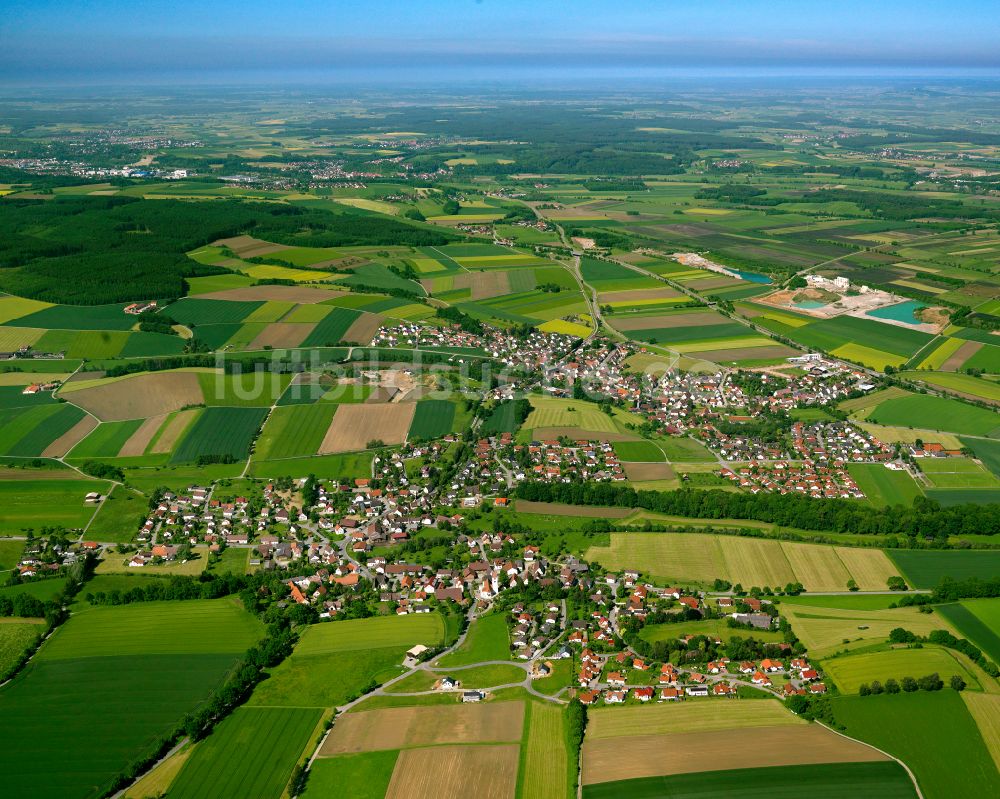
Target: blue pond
(808, 305)
(753, 277)
(901, 312)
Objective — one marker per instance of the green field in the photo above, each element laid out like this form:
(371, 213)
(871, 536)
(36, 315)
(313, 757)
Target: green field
(38, 503)
(251, 753)
(987, 451)
(16, 635)
(979, 621)
(334, 467)
(638, 452)
(822, 781)
(850, 671)
(884, 487)
(716, 628)
(681, 450)
(937, 413)
(106, 440)
(432, 419)
(220, 432)
(932, 733)
(361, 776)
(487, 640)
(26, 433)
(333, 662)
(925, 568)
(119, 517)
(108, 686)
(256, 389)
(295, 430)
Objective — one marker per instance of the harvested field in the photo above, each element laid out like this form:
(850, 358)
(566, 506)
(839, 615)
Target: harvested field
(684, 753)
(622, 722)
(70, 438)
(985, 710)
(301, 294)
(638, 472)
(139, 440)
(632, 295)
(353, 426)
(746, 353)
(456, 772)
(547, 433)
(249, 247)
(282, 334)
(173, 430)
(697, 319)
(484, 284)
(954, 362)
(141, 396)
(556, 509)
(869, 570)
(403, 727)
(363, 329)
(818, 566)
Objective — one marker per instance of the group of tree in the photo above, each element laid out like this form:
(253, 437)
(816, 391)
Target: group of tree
(929, 682)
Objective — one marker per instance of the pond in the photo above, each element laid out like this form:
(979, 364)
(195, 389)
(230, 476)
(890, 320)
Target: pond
(900, 312)
(808, 305)
(753, 277)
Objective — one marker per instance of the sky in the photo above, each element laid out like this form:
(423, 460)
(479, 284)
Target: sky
(48, 41)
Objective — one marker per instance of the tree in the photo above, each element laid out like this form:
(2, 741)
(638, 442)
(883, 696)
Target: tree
(957, 683)
(852, 585)
(891, 686)
(864, 689)
(896, 583)
(909, 685)
(930, 682)
(877, 687)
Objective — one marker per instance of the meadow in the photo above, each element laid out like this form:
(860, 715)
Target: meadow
(16, 635)
(937, 413)
(432, 419)
(932, 733)
(850, 671)
(294, 430)
(37, 503)
(884, 487)
(119, 516)
(361, 776)
(487, 639)
(545, 766)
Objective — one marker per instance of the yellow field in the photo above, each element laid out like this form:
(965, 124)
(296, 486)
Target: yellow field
(871, 400)
(369, 205)
(724, 344)
(622, 722)
(872, 358)
(749, 561)
(904, 435)
(824, 630)
(268, 271)
(985, 709)
(709, 211)
(403, 727)
(566, 328)
(270, 311)
(24, 378)
(545, 760)
(685, 753)
(551, 412)
(157, 781)
(941, 353)
(16, 307)
(821, 567)
(13, 338)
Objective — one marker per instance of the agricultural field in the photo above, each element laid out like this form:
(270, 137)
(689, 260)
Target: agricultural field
(109, 685)
(251, 753)
(925, 569)
(354, 427)
(850, 671)
(36, 503)
(826, 630)
(486, 771)
(487, 639)
(979, 621)
(16, 635)
(120, 514)
(690, 557)
(884, 487)
(332, 662)
(432, 419)
(294, 430)
(933, 733)
(220, 433)
(937, 413)
(362, 776)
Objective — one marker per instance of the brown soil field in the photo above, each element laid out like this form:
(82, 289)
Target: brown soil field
(954, 362)
(363, 329)
(249, 247)
(456, 772)
(403, 727)
(80, 376)
(745, 353)
(141, 396)
(70, 438)
(704, 283)
(638, 472)
(302, 294)
(282, 334)
(696, 319)
(577, 433)
(557, 509)
(684, 753)
(638, 294)
(172, 432)
(353, 426)
(484, 284)
(139, 440)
